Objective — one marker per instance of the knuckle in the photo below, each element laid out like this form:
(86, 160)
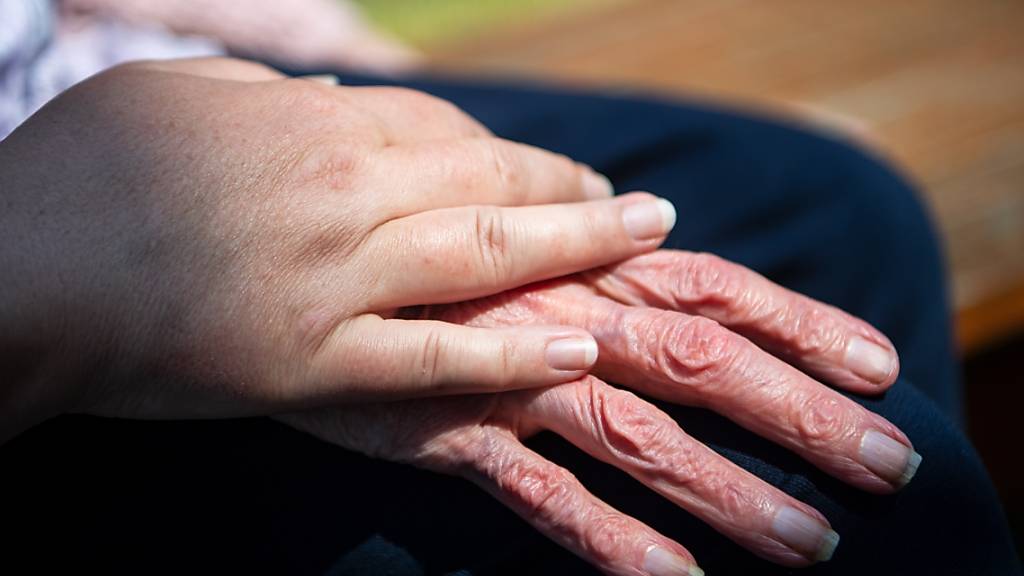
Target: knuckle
(492, 246)
(430, 107)
(318, 229)
(505, 166)
(543, 491)
(299, 94)
(821, 420)
(506, 362)
(429, 358)
(709, 279)
(732, 497)
(813, 330)
(549, 495)
(608, 537)
(633, 430)
(705, 344)
(462, 122)
(628, 428)
(330, 167)
(696, 351)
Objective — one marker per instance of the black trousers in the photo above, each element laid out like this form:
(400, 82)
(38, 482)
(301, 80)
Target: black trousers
(808, 211)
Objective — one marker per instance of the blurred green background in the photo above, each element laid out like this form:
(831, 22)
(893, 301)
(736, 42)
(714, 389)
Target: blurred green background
(426, 22)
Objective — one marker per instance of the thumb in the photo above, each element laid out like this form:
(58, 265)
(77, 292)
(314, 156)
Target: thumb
(371, 358)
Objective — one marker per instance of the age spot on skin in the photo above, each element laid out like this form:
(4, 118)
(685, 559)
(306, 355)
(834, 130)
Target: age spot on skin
(821, 420)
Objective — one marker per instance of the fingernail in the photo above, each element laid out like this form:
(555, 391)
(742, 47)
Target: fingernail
(890, 459)
(646, 220)
(596, 186)
(329, 79)
(869, 360)
(571, 353)
(805, 534)
(660, 562)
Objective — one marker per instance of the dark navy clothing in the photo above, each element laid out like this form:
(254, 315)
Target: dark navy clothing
(808, 211)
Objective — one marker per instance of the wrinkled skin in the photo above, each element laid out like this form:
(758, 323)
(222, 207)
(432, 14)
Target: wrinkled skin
(637, 312)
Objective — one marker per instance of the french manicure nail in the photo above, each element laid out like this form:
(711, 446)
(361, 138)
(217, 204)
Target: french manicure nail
(646, 220)
(890, 459)
(596, 186)
(869, 360)
(661, 562)
(571, 353)
(805, 534)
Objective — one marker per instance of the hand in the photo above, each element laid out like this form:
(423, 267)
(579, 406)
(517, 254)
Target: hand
(687, 328)
(207, 238)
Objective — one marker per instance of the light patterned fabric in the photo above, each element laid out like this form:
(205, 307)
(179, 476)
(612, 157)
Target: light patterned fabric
(42, 54)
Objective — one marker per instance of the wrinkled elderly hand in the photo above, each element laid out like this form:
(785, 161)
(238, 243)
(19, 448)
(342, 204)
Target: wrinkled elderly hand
(208, 238)
(686, 328)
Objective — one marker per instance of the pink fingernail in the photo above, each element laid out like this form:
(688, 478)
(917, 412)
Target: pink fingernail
(571, 353)
(869, 360)
(805, 534)
(650, 219)
(660, 562)
(890, 459)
